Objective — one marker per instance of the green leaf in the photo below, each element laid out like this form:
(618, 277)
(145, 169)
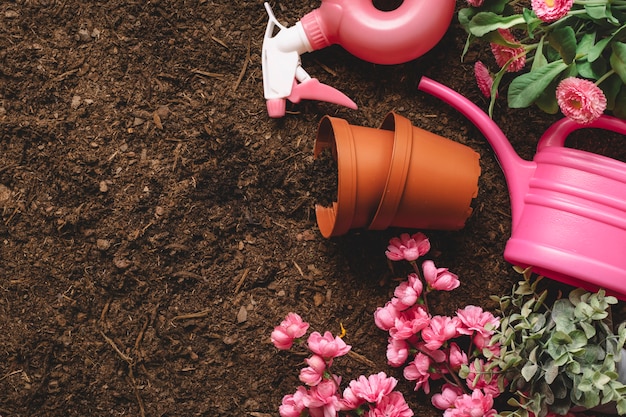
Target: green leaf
(529, 370)
(597, 11)
(618, 60)
(551, 372)
(564, 41)
(526, 88)
(485, 22)
(596, 51)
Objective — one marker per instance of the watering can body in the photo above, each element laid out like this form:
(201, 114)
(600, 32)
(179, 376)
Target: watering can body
(568, 206)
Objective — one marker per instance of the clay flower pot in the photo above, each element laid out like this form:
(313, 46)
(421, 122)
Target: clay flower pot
(396, 176)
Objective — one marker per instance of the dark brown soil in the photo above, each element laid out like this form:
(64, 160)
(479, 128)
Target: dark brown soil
(156, 224)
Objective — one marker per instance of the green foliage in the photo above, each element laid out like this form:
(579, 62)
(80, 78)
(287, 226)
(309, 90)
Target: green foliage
(558, 352)
(588, 42)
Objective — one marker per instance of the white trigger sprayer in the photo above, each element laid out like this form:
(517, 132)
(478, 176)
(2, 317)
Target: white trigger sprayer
(283, 76)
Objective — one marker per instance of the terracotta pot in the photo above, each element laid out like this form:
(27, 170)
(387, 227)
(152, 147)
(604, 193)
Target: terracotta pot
(396, 176)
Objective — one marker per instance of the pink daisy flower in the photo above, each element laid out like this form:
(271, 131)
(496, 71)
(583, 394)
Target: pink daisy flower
(551, 10)
(475, 3)
(580, 100)
(483, 78)
(503, 53)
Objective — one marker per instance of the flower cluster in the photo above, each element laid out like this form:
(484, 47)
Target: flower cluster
(441, 348)
(320, 396)
(567, 55)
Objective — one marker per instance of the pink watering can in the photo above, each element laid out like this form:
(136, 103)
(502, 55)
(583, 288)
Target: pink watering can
(381, 37)
(568, 206)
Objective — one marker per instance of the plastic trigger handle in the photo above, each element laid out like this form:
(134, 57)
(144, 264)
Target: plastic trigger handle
(312, 89)
(283, 76)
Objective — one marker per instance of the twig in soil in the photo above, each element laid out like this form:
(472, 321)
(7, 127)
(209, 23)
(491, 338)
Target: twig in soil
(298, 268)
(131, 381)
(221, 42)
(241, 280)
(196, 315)
(244, 68)
(326, 68)
(11, 374)
(117, 350)
(208, 74)
(360, 358)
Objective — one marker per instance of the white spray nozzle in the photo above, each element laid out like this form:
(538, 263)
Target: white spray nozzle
(283, 76)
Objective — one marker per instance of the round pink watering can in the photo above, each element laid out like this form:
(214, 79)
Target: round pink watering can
(568, 206)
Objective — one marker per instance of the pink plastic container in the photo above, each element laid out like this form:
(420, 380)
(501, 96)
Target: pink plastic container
(568, 206)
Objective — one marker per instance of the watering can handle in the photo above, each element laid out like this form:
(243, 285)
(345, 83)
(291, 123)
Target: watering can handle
(558, 132)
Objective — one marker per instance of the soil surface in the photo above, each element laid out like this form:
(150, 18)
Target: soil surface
(156, 224)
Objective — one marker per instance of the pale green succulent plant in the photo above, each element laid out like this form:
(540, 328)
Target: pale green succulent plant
(558, 354)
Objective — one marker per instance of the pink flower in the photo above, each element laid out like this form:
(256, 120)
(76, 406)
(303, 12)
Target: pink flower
(456, 357)
(475, 320)
(407, 293)
(322, 399)
(393, 405)
(373, 388)
(293, 404)
(409, 323)
(483, 78)
(313, 374)
(440, 330)
(326, 346)
(419, 371)
(476, 405)
(349, 400)
(580, 100)
(551, 10)
(504, 53)
(475, 3)
(447, 397)
(407, 248)
(439, 278)
(397, 352)
(385, 317)
(289, 329)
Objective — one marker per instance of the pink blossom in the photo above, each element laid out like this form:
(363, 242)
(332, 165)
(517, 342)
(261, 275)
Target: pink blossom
(289, 329)
(409, 323)
(439, 278)
(397, 352)
(483, 78)
(504, 53)
(456, 357)
(479, 378)
(419, 371)
(551, 10)
(349, 400)
(313, 374)
(447, 397)
(407, 293)
(580, 100)
(326, 346)
(293, 404)
(322, 399)
(475, 320)
(475, 3)
(385, 317)
(373, 388)
(440, 330)
(392, 405)
(407, 247)
(476, 405)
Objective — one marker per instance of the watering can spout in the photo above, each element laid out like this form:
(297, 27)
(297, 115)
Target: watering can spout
(517, 171)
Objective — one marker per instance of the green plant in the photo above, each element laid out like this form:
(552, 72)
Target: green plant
(557, 353)
(586, 41)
